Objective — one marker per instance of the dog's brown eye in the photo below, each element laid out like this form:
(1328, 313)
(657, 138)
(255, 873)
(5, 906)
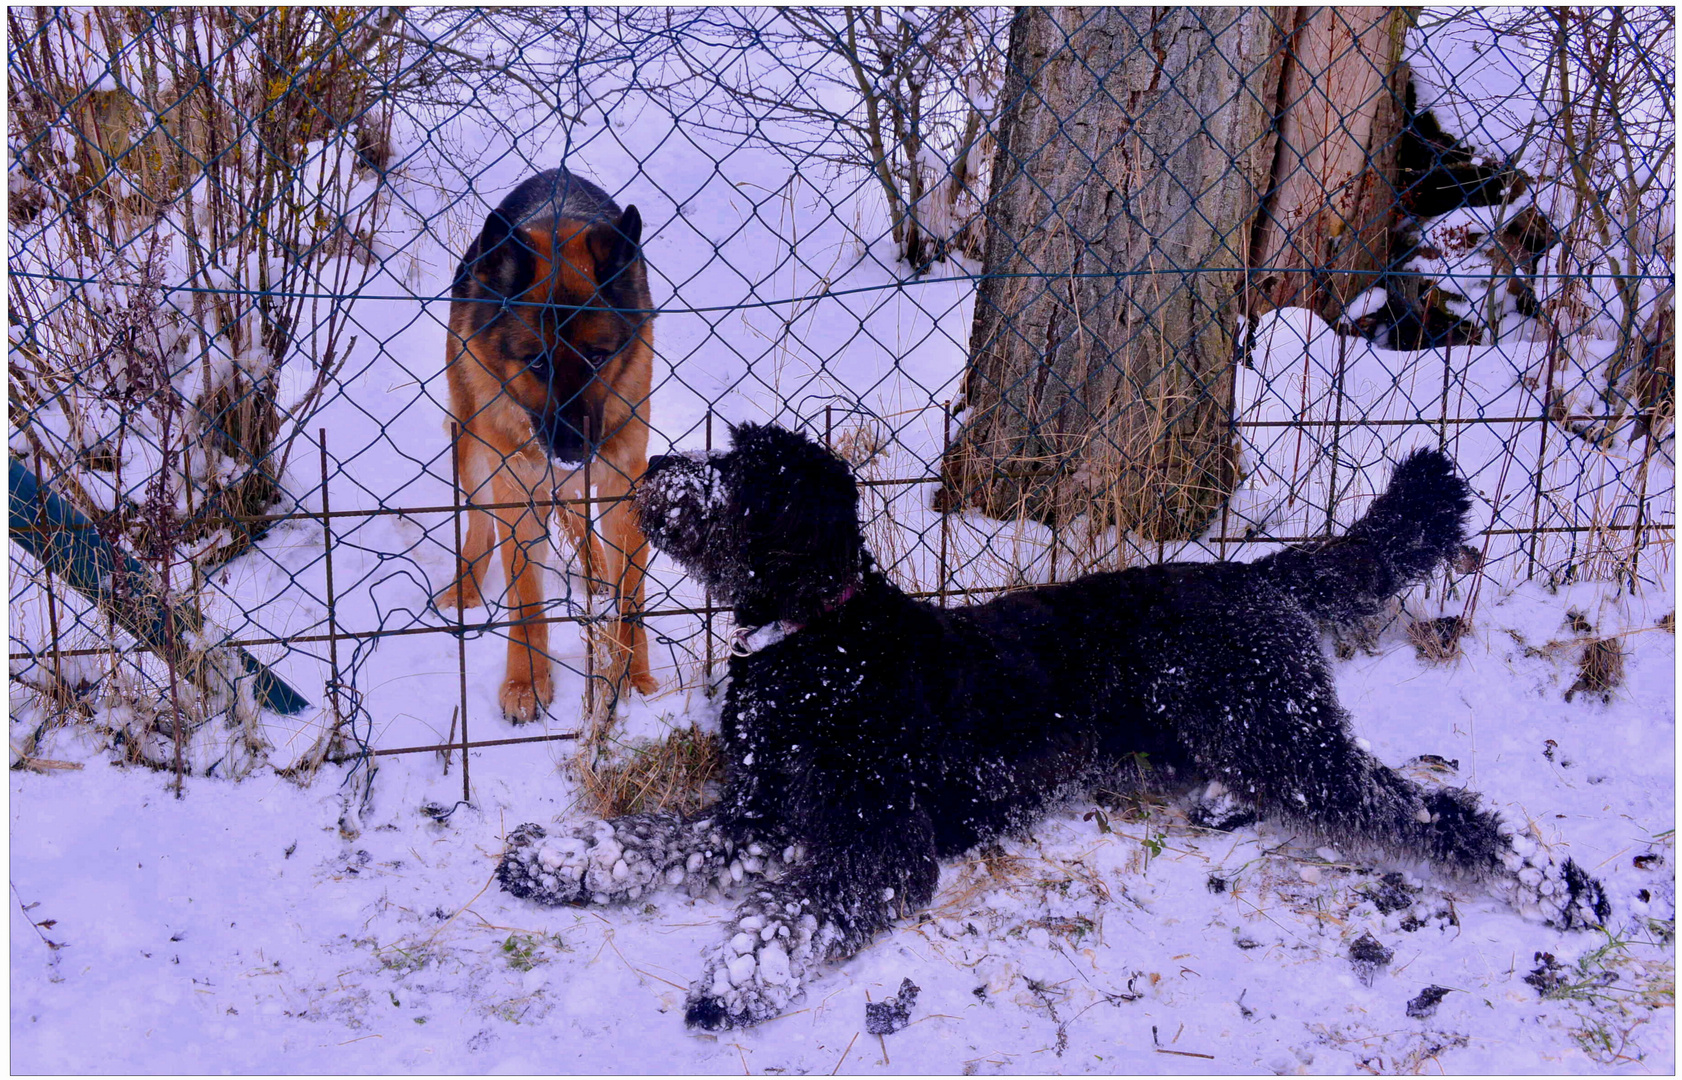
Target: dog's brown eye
(597, 357)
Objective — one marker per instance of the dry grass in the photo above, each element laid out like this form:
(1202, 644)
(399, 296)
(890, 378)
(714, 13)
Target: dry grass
(675, 774)
(1599, 661)
(42, 702)
(197, 717)
(1437, 641)
(862, 444)
(995, 870)
(1653, 384)
(1600, 668)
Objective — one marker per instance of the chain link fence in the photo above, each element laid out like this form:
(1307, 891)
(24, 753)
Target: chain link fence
(1069, 289)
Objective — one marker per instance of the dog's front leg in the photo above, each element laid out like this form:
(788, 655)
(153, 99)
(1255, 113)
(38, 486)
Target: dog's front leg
(775, 939)
(529, 685)
(612, 861)
(828, 908)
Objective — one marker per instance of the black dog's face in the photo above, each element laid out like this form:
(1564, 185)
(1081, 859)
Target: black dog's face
(771, 525)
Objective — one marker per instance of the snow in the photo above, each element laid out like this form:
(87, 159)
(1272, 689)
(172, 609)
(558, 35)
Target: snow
(1363, 305)
(263, 926)
(235, 930)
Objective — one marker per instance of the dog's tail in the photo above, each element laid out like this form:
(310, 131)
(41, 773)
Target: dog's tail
(1417, 523)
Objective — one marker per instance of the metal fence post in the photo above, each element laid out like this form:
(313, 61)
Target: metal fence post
(457, 497)
(332, 599)
(707, 589)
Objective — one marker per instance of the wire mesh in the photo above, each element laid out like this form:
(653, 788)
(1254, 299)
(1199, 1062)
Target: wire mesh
(1070, 289)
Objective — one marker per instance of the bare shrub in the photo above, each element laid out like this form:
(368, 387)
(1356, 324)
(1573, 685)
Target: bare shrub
(197, 194)
(201, 203)
(918, 88)
(1594, 128)
(1612, 144)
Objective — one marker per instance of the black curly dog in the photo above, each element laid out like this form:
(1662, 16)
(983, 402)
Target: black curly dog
(868, 736)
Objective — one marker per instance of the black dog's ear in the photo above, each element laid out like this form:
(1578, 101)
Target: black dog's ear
(815, 548)
(502, 258)
(615, 244)
(798, 504)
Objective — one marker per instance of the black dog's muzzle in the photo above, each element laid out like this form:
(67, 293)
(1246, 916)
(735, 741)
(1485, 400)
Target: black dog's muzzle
(675, 500)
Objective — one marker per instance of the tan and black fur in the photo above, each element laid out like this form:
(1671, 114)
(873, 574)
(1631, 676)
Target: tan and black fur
(549, 358)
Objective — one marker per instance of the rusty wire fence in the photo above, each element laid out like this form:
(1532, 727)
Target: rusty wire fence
(1069, 289)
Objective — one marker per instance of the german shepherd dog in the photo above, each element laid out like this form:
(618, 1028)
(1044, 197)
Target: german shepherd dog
(549, 358)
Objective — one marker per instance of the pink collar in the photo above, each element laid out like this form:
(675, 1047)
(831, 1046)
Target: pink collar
(747, 640)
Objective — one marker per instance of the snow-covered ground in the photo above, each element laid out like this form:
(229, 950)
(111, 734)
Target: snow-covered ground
(237, 930)
(252, 927)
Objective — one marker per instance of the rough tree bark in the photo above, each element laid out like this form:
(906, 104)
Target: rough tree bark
(1324, 232)
(1137, 149)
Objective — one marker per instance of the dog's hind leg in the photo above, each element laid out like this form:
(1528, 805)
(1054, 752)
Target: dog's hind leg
(830, 906)
(1288, 751)
(627, 555)
(623, 460)
(584, 540)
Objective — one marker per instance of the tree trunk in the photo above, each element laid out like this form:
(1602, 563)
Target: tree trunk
(1324, 232)
(1134, 145)
(1147, 158)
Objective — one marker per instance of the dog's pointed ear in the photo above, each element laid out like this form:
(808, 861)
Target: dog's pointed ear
(503, 257)
(630, 227)
(616, 244)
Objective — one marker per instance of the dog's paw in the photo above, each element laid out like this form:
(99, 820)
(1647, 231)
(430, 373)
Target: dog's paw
(642, 682)
(1561, 894)
(761, 970)
(600, 862)
(521, 871)
(521, 700)
(460, 596)
(707, 1013)
(1219, 809)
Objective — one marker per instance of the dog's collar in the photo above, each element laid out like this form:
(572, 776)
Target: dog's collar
(747, 640)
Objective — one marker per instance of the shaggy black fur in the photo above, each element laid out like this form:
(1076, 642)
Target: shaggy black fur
(871, 736)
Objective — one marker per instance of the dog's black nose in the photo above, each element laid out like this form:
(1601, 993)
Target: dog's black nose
(708, 1014)
(659, 461)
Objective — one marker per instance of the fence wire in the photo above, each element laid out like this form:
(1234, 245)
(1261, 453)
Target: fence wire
(1070, 289)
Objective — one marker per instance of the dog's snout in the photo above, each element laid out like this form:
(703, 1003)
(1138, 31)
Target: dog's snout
(680, 462)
